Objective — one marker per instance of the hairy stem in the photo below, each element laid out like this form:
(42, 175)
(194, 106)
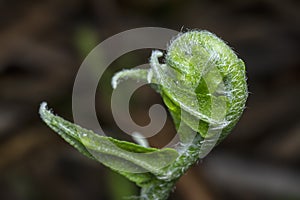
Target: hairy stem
(159, 189)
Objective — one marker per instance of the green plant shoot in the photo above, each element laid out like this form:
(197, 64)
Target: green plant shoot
(203, 84)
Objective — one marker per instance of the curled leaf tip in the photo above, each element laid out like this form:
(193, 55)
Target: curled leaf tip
(43, 107)
(43, 111)
(137, 74)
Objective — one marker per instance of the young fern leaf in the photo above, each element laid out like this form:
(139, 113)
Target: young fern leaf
(121, 156)
(203, 84)
(210, 82)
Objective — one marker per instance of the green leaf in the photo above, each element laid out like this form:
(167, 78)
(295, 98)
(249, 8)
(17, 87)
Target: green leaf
(210, 86)
(124, 157)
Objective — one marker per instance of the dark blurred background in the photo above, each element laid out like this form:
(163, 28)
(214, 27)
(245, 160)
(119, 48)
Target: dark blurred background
(42, 44)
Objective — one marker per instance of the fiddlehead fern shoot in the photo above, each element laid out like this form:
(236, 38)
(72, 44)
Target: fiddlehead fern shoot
(203, 84)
